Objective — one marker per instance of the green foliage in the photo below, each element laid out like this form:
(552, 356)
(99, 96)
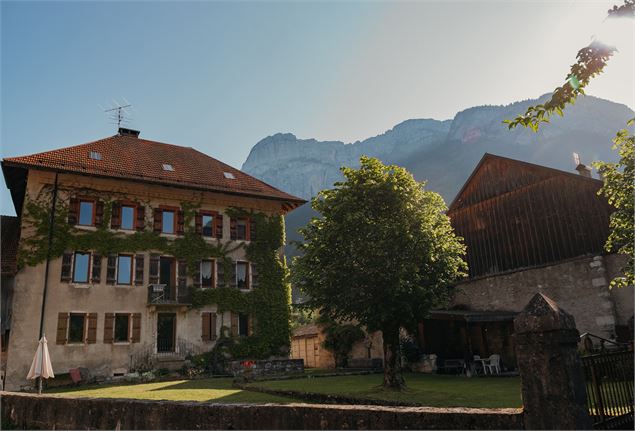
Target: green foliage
(268, 303)
(340, 338)
(591, 61)
(619, 189)
(301, 316)
(382, 254)
(410, 350)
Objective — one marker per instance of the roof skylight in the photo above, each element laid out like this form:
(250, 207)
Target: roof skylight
(229, 175)
(168, 167)
(95, 155)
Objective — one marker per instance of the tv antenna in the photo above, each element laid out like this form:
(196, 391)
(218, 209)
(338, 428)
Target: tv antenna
(119, 114)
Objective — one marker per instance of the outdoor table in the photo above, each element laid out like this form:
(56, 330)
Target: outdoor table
(483, 362)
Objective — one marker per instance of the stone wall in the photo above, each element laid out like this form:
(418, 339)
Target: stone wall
(269, 367)
(579, 285)
(28, 411)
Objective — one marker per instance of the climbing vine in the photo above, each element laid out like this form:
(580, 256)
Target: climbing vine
(268, 303)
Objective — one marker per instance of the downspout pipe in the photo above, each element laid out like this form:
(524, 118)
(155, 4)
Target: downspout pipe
(46, 268)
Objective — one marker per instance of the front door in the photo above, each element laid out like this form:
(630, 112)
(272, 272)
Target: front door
(166, 332)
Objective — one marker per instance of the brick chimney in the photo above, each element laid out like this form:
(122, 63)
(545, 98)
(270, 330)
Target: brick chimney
(128, 132)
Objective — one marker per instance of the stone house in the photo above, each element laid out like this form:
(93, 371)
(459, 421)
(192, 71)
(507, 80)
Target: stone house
(528, 229)
(157, 251)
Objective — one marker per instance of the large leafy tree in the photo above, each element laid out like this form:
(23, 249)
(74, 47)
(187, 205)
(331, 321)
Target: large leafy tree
(619, 189)
(381, 254)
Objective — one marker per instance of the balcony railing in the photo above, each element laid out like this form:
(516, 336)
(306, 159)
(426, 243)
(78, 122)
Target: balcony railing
(163, 294)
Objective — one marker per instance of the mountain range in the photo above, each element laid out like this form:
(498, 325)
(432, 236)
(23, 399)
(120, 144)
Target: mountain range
(441, 152)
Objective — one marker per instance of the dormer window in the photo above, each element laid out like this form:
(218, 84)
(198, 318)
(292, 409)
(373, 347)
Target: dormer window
(95, 155)
(229, 175)
(168, 167)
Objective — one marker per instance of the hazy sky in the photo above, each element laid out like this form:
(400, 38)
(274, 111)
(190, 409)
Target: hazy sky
(221, 76)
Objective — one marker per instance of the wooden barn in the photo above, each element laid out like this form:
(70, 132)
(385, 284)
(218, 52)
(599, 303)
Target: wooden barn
(528, 229)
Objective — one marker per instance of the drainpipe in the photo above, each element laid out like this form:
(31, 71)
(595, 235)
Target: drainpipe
(46, 269)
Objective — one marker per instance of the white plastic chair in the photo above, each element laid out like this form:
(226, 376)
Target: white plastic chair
(493, 364)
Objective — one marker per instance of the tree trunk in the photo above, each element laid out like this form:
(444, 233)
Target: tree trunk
(393, 378)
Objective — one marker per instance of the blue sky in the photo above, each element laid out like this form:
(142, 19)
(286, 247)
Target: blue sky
(221, 76)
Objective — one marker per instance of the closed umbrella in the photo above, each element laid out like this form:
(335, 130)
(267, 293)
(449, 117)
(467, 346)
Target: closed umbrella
(41, 365)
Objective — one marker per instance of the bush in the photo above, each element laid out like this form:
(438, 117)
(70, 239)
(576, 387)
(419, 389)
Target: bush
(410, 350)
(340, 340)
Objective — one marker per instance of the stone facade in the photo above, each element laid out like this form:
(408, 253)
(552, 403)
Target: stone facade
(102, 358)
(580, 285)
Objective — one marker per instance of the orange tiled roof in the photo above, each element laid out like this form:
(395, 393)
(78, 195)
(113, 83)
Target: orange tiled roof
(129, 157)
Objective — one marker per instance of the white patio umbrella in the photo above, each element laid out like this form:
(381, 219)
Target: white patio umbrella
(41, 366)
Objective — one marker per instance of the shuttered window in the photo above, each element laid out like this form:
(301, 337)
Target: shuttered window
(138, 273)
(208, 331)
(76, 328)
(86, 213)
(207, 273)
(67, 267)
(96, 271)
(254, 276)
(234, 324)
(136, 327)
(124, 269)
(242, 275)
(122, 328)
(141, 218)
(81, 267)
(128, 217)
(243, 325)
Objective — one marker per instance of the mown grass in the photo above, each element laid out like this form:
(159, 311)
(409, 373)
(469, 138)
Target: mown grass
(423, 389)
(209, 390)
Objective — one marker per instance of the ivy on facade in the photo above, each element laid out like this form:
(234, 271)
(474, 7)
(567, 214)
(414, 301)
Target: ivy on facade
(268, 304)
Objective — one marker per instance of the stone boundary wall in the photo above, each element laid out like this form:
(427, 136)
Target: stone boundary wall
(267, 367)
(29, 411)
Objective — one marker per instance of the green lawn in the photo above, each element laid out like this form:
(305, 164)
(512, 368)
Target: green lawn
(424, 389)
(210, 390)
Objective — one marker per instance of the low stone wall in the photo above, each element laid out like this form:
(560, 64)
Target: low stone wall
(28, 411)
(269, 367)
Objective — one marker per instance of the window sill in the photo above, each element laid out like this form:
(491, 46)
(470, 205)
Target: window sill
(81, 285)
(76, 344)
(121, 343)
(86, 227)
(124, 286)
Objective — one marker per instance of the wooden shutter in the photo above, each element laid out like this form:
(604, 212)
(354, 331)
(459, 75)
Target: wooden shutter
(220, 272)
(196, 275)
(139, 261)
(111, 269)
(154, 269)
(115, 216)
(136, 327)
(212, 317)
(62, 326)
(91, 337)
(232, 228)
(219, 226)
(99, 213)
(205, 326)
(234, 327)
(67, 265)
(250, 325)
(158, 220)
(254, 275)
(109, 331)
(141, 217)
(73, 211)
(232, 275)
(182, 279)
(96, 273)
(251, 235)
(180, 222)
(198, 223)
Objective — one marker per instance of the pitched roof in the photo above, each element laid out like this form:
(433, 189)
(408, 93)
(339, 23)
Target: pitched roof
(499, 183)
(10, 233)
(132, 158)
(306, 330)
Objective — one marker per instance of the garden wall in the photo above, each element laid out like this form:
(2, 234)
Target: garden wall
(46, 412)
